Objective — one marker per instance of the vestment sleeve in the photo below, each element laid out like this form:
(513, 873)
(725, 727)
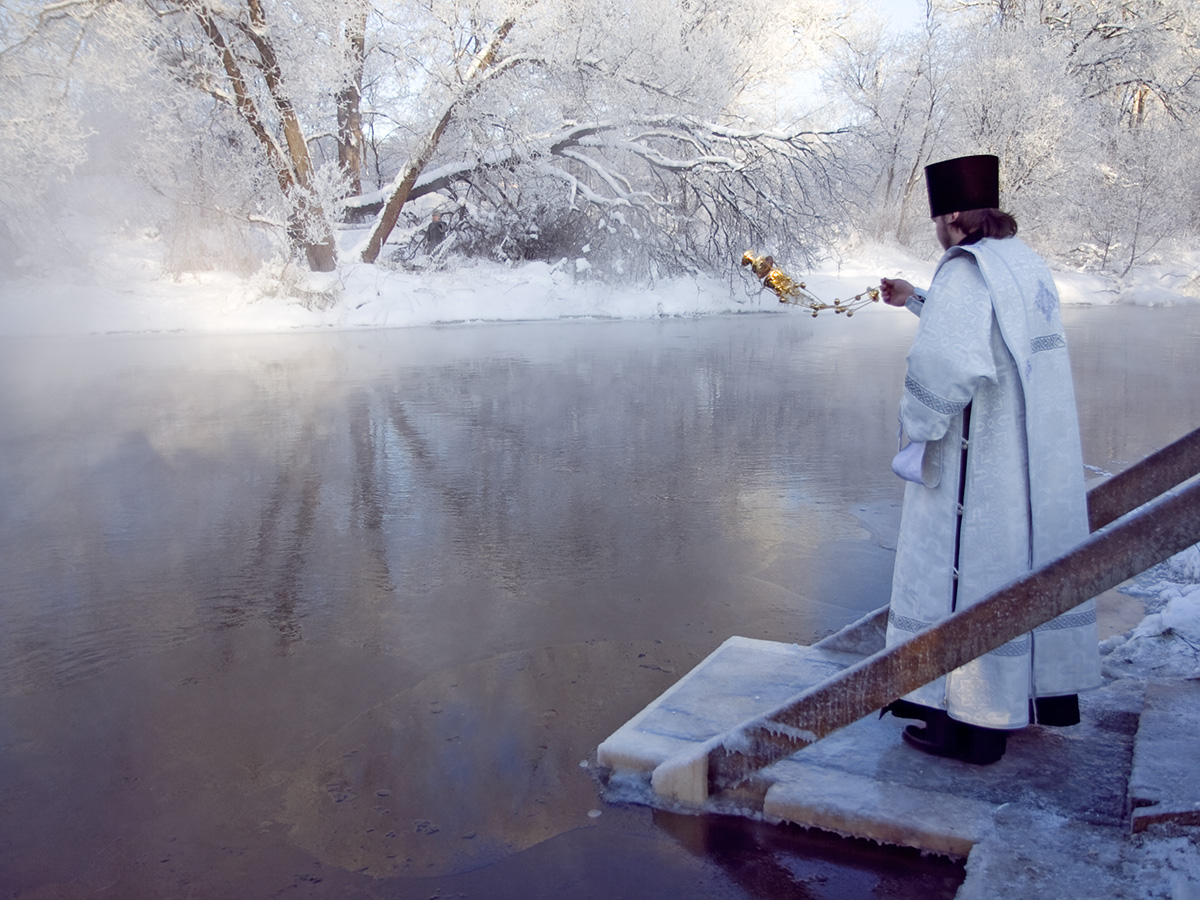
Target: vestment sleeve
(916, 302)
(951, 354)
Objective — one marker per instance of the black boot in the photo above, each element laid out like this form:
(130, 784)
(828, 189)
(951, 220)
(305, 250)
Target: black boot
(981, 746)
(938, 737)
(1058, 712)
(904, 709)
(943, 736)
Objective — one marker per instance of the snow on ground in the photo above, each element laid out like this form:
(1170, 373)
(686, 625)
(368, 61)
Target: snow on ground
(121, 289)
(1164, 861)
(1166, 645)
(124, 291)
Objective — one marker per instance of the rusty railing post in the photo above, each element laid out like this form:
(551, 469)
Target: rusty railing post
(1157, 532)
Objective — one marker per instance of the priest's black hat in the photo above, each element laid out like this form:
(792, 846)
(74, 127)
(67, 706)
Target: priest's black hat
(968, 182)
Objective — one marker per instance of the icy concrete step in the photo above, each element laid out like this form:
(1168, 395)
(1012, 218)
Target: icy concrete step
(742, 678)
(865, 807)
(1164, 785)
(862, 780)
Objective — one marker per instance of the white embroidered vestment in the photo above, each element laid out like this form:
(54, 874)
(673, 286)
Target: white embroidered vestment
(991, 336)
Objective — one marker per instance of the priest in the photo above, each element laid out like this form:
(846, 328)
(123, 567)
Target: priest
(989, 445)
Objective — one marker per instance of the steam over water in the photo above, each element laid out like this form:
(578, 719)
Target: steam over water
(346, 611)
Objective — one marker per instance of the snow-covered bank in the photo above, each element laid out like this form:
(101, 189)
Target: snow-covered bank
(1166, 645)
(122, 289)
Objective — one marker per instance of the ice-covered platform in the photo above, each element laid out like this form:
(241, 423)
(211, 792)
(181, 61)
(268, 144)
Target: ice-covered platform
(1131, 762)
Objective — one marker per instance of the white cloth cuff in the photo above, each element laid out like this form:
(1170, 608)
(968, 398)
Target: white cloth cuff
(909, 462)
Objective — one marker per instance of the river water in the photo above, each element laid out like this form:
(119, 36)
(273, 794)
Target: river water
(346, 614)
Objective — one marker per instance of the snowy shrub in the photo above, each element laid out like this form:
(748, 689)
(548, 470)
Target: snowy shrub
(1184, 567)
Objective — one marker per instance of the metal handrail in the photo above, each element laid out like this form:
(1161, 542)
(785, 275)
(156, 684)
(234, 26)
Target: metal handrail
(1114, 497)
(1143, 481)
(1108, 557)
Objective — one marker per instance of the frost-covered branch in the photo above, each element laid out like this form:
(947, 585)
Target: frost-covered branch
(285, 145)
(690, 190)
(485, 67)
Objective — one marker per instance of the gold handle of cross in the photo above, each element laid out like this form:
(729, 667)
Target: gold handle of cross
(788, 290)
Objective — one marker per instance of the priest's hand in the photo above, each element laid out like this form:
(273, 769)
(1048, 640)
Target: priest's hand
(895, 291)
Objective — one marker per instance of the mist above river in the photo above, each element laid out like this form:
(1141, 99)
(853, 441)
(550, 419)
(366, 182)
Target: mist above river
(351, 609)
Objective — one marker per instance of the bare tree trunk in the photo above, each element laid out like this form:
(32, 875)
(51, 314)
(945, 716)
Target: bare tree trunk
(401, 189)
(403, 185)
(349, 106)
(319, 251)
(316, 237)
(308, 227)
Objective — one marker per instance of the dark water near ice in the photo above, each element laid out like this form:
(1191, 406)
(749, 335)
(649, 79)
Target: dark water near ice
(343, 614)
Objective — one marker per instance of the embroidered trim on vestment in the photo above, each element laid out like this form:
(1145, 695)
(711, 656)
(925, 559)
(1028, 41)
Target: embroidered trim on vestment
(904, 623)
(1017, 647)
(932, 400)
(1069, 620)
(1047, 342)
(1013, 648)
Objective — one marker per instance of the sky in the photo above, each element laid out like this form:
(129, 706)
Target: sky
(903, 13)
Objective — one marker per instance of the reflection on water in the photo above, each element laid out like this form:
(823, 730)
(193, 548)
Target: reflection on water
(1136, 380)
(354, 607)
(157, 488)
(785, 861)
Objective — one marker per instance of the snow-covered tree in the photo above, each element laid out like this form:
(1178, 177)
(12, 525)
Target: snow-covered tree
(548, 128)
(257, 62)
(635, 137)
(604, 129)
(249, 81)
(1137, 67)
(42, 138)
(1091, 106)
(894, 87)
